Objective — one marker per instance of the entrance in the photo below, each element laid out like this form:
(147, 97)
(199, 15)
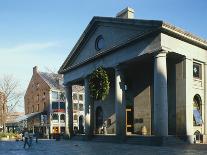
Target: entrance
(99, 120)
(55, 130)
(129, 120)
(81, 127)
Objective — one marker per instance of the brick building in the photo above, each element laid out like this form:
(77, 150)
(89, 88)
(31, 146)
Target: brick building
(45, 103)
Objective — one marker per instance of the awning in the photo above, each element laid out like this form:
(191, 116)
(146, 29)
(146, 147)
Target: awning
(25, 117)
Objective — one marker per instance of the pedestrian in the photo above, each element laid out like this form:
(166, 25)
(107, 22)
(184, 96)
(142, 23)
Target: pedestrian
(36, 135)
(26, 138)
(30, 138)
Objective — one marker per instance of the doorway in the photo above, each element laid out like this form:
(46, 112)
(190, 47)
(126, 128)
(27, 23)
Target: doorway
(99, 120)
(129, 120)
(80, 124)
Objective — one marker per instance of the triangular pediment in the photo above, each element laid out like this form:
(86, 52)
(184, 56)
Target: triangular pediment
(113, 32)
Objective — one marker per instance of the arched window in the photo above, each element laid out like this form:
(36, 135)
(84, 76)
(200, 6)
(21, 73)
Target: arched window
(62, 118)
(197, 110)
(55, 117)
(197, 136)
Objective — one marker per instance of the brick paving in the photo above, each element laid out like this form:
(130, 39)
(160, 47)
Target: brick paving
(63, 147)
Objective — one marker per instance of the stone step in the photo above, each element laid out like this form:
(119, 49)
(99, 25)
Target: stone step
(104, 138)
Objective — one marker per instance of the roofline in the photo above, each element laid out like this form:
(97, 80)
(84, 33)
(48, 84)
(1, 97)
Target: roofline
(110, 49)
(184, 35)
(164, 27)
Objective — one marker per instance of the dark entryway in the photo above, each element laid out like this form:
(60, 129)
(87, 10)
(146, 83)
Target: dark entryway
(99, 119)
(81, 127)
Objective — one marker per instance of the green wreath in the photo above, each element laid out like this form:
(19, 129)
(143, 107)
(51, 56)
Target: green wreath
(99, 84)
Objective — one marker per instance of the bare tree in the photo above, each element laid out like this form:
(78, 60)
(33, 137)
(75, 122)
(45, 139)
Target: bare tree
(51, 70)
(10, 87)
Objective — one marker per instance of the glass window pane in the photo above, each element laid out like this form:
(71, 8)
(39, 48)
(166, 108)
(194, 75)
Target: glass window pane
(197, 117)
(62, 96)
(81, 107)
(197, 70)
(62, 105)
(75, 106)
(54, 105)
(55, 117)
(54, 95)
(81, 97)
(75, 96)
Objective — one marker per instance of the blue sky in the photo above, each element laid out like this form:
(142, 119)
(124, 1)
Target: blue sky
(42, 32)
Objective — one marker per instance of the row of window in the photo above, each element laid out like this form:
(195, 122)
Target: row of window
(58, 105)
(77, 96)
(77, 106)
(58, 95)
(55, 118)
(36, 108)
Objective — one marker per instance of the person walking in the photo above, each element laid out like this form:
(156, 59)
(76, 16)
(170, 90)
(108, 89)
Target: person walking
(30, 138)
(26, 137)
(37, 135)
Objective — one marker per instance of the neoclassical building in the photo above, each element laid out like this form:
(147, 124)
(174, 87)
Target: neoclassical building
(158, 79)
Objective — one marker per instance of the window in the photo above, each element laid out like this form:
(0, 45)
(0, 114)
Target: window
(81, 97)
(75, 117)
(54, 95)
(44, 104)
(38, 98)
(81, 107)
(75, 106)
(62, 118)
(75, 97)
(55, 118)
(197, 110)
(62, 105)
(99, 43)
(62, 96)
(54, 105)
(43, 95)
(32, 108)
(197, 70)
(38, 106)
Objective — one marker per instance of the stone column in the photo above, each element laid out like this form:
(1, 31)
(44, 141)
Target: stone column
(89, 117)
(68, 91)
(205, 95)
(66, 116)
(188, 64)
(160, 95)
(120, 105)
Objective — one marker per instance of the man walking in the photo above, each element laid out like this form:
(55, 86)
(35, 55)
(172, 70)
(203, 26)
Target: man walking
(26, 137)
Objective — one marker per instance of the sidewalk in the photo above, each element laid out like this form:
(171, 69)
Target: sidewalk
(67, 147)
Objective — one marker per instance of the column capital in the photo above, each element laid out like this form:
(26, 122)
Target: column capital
(117, 68)
(188, 58)
(161, 53)
(67, 85)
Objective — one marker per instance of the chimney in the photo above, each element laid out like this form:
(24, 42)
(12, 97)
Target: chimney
(35, 69)
(126, 13)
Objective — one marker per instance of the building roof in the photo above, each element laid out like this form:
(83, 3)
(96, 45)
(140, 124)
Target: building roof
(157, 26)
(55, 81)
